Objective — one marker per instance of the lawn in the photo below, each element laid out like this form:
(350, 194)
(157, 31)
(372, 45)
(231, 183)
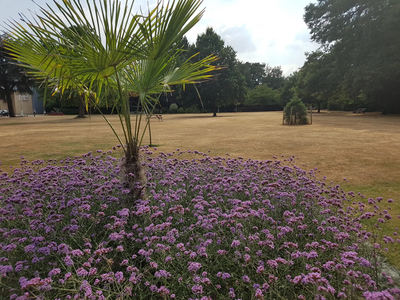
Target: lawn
(360, 148)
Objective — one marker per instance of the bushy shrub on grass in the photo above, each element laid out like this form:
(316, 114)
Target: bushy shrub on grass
(180, 110)
(192, 109)
(296, 112)
(210, 228)
(173, 108)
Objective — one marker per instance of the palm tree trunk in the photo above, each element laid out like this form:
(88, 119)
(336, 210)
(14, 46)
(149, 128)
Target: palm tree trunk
(133, 172)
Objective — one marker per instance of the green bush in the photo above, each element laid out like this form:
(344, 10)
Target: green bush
(192, 109)
(296, 112)
(181, 110)
(173, 108)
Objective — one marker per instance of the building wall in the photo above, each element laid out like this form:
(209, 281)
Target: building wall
(3, 105)
(22, 104)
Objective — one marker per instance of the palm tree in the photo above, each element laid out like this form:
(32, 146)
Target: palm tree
(120, 53)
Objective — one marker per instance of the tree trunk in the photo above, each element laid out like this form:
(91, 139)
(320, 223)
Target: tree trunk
(10, 105)
(133, 172)
(319, 106)
(82, 107)
(215, 111)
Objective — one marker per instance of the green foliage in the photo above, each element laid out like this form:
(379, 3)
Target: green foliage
(192, 109)
(180, 110)
(262, 95)
(164, 110)
(317, 82)
(254, 73)
(227, 87)
(361, 45)
(265, 84)
(274, 77)
(118, 52)
(296, 112)
(289, 89)
(341, 102)
(173, 108)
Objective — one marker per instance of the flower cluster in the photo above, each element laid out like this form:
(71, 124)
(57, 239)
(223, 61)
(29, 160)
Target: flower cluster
(206, 228)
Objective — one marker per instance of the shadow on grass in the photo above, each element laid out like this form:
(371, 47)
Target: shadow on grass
(205, 116)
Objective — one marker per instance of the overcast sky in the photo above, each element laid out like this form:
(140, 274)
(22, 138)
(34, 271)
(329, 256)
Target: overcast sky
(265, 31)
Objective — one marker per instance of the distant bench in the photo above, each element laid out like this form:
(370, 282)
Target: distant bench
(159, 117)
(359, 110)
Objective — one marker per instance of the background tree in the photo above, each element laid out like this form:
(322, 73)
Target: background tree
(266, 84)
(317, 79)
(262, 95)
(76, 92)
(70, 101)
(228, 86)
(274, 77)
(13, 78)
(254, 73)
(289, 88)
(362, 37)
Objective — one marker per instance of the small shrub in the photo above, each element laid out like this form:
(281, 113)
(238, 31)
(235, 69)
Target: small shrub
(192, 109)
(173, 108)
(181, 110)
(296, 112)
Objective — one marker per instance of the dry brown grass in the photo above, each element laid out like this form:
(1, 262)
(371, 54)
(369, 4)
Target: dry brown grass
(363, 148)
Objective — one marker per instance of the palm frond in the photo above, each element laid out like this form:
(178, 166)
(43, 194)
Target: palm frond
(103, 45)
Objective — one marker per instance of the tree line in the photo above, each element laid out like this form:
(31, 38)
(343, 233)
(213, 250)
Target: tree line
(357, 65)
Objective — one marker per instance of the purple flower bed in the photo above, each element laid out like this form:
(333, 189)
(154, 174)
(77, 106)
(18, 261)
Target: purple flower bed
(209, 228)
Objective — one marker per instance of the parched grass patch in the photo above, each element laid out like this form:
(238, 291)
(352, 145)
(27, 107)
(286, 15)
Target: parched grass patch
(208, 228)
(361, 148)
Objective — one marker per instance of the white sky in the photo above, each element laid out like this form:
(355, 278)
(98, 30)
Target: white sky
(265, 31)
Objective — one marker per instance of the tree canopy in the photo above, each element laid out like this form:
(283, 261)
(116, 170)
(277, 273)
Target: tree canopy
(13, 78)
(228, 86)
(254, 73)
(317, 80)
(362, 40)
(262, 95)
(274, 77)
